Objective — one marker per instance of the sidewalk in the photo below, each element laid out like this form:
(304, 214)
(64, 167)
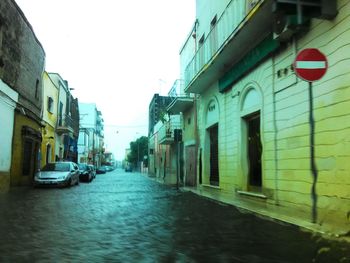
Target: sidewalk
(273, 212)
(269, 211)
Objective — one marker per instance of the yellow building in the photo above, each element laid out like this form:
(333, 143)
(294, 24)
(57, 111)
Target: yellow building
(253, 113)
(26, 146)
(50, 102)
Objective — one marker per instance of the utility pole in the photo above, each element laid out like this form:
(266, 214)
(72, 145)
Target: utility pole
(138, 155)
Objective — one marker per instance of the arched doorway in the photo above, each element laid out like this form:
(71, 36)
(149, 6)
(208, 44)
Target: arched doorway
(251, 139)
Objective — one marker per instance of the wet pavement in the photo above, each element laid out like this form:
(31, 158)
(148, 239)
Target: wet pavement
(126, 217)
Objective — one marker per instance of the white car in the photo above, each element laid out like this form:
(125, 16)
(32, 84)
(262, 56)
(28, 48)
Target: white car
(59, 174)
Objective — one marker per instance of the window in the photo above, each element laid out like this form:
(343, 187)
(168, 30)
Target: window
(201, 41)
(50, 104)
(213, 22)
(37, 89)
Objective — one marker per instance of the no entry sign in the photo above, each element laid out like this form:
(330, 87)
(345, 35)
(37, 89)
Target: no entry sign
(310, 64)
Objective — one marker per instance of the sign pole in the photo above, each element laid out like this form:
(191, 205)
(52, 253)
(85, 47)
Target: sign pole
(312, 156)
(310, 65)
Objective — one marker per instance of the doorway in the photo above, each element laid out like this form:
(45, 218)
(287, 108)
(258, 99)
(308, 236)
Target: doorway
(254, 148)
(190, 166)
(48, 153)
(214, 155)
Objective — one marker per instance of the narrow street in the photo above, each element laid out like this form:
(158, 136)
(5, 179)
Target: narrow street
(127, 217)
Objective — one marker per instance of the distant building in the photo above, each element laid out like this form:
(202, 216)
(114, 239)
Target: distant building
(67, 126)
(91, 138)
(108, 159)
(157, 110)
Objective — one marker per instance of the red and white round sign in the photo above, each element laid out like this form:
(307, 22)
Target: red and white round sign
(310, 64)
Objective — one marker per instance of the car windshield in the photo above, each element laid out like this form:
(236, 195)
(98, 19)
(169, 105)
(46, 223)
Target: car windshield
(57, 167)
(82, 166)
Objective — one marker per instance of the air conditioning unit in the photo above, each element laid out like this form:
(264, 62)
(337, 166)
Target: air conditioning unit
(285, 26)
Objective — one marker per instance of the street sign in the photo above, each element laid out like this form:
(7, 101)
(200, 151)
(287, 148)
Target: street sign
(310, 64)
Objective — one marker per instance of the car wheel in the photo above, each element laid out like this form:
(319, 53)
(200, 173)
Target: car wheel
(69, 182)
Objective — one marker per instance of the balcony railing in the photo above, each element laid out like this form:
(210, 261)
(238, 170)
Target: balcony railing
(226, 25)
(166, 132)
(177, 90)
(180, 100)
(65, 124)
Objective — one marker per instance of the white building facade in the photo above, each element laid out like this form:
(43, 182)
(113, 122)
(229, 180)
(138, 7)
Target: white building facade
(8, 100)
(253, 113)
(91, 143)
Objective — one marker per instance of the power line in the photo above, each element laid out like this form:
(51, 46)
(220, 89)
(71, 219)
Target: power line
(125, 126)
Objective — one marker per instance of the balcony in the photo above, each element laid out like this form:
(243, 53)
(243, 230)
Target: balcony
(65, 125)
(180, 101)
(240, 28)
(166, 132)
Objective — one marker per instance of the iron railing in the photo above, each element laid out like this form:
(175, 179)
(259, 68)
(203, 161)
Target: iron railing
(166, 132)
(225, 26)
(177, 90)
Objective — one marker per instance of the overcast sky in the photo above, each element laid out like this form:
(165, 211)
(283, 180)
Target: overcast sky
(115, 53)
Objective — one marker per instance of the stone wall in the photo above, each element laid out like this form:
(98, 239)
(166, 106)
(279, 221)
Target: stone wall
(22, 58)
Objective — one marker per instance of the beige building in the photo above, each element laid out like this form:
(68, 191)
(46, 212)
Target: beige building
(252, 141)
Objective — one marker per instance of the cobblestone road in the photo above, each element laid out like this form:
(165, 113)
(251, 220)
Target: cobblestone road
(126, 217)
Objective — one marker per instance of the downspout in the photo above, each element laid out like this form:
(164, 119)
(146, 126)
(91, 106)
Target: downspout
(275, 129)
(195, 117)
(195, 137)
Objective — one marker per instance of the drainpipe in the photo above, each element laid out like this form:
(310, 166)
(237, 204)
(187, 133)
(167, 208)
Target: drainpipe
(195, 117)
(196, 137)
(275, 129)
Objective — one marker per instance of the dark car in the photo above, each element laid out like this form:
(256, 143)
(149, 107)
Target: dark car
(128, 168)
(86, 173)
(101, 170)
(93, 169)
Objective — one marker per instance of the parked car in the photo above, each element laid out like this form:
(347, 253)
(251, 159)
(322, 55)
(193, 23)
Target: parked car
(93, 169)
(58, 174)
(108, 168)
(128, 168)
(85, 171)
(101, 170)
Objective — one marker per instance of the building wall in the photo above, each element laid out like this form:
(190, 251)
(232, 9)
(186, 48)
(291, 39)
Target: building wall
(21, 67)
(152, 153)
(22, 57)
(8, 99)
(331, 96)
(283, 103)
(188, 127)
(50, 90)
(18, 155)
(88, 115)
(205, 12)
(92, 122)
(83, 147)
(50, 119)
(157, 109)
